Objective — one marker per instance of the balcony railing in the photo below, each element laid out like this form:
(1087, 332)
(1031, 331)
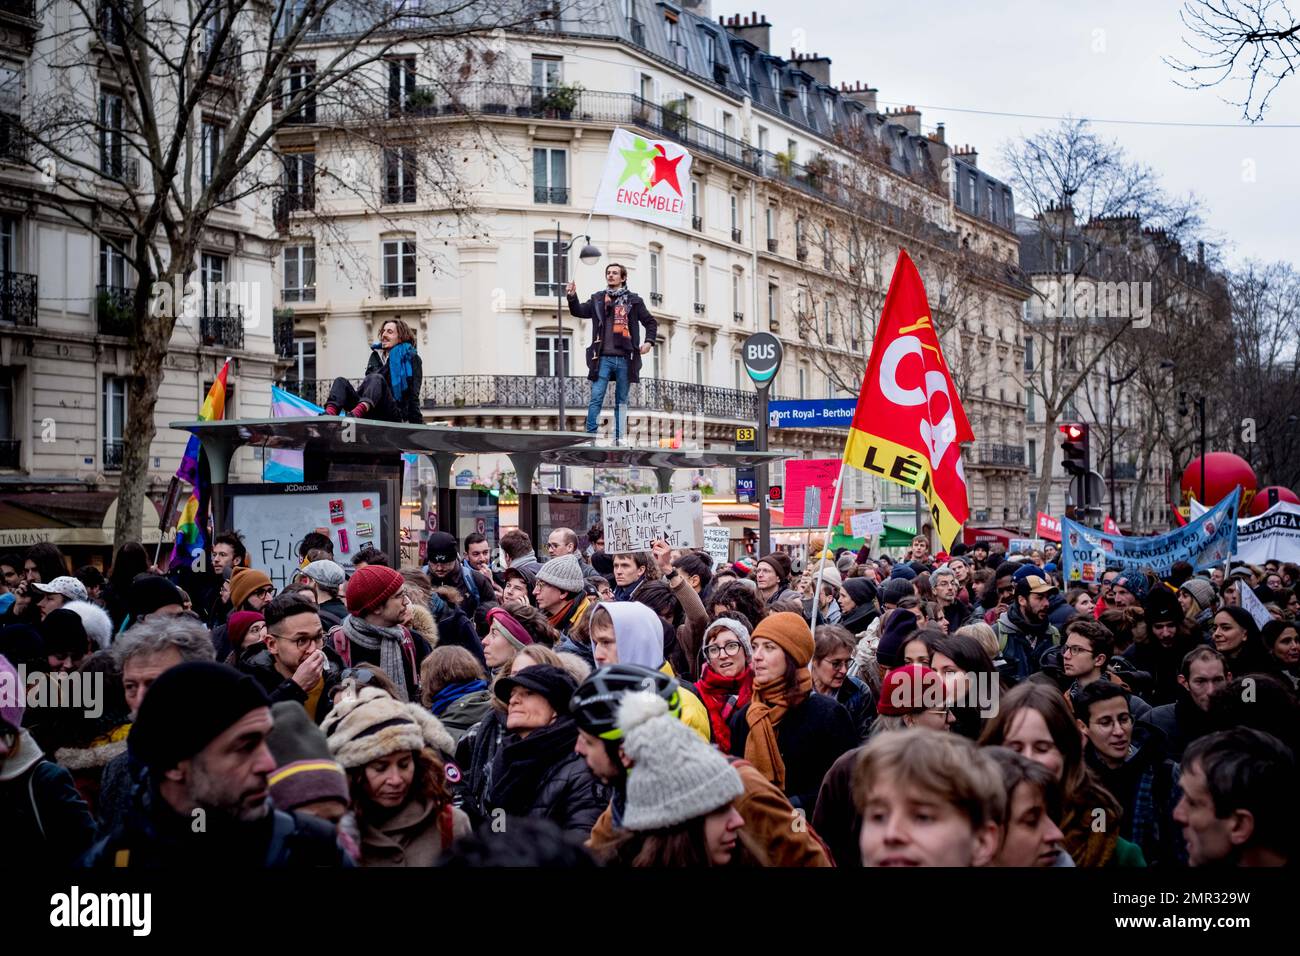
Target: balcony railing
(113, 454)
(699, 308)
(13, 144)
(283, 333)
(115, 310)
(541, 394)
(401, 290)
(291, 201)
(736, 235)
(19, 8)
(225, 61)
(11, 453)
(994, 454)
(223, 331)
(657, 298)
(697, 223)
(557, 195)
(18, 299)
(123, 169)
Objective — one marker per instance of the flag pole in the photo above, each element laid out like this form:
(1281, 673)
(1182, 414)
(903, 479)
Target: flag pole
(821, 565)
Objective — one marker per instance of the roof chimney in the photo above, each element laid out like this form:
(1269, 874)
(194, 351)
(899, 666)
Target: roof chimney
(753, 28)
(817, 66)
(860, 93)
(967, 154)
(909, 117)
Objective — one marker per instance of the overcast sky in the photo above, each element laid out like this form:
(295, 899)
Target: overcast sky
(1100, 59)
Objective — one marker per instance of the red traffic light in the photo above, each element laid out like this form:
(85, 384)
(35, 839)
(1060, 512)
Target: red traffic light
(1074, 431)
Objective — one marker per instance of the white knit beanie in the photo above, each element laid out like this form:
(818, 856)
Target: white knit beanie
(675, 776)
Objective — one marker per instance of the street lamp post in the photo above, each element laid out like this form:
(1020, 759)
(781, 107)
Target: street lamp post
(589, 255)
(1199, 402)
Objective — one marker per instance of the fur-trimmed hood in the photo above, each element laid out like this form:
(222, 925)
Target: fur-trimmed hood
(93, 757)
(422, 623)
(372, 725)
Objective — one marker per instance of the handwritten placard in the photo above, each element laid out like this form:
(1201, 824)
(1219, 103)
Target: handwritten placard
(717, 541)
(633, 521)
(866, 523)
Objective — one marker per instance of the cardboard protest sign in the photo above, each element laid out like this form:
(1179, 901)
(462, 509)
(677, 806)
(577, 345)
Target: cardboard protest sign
(867, 523)
(1087, 553)
(809, 492)
(717, 541)
(632, 521)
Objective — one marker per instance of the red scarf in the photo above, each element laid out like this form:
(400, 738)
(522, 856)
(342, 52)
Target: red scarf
(717, 692)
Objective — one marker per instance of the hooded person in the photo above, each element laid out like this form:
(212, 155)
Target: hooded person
(628, 632)
(858, 604)
(45, 819)
(200, 739)
(681, 794)
(766, 811)
(789, 733)
(727, 678)
(397, 759)
(537, 772)
(1198, 599)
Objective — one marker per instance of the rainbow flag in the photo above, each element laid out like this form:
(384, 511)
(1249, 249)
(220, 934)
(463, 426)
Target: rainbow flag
(285, 464)
(189, 526)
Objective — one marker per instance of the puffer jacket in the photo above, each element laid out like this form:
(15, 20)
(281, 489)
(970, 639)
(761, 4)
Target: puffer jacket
(475, 752)
(856, 697)
(542, 776)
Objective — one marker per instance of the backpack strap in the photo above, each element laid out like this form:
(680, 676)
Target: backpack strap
(445, 826)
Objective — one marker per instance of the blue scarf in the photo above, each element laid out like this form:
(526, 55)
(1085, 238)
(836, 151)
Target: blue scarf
(399, 368)
(622, 593)
(454, 692)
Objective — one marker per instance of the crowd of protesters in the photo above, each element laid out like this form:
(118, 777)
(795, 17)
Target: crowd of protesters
(646, 709)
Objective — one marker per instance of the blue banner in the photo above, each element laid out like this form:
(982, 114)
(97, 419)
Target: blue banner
(1209, 540)
(812, 413)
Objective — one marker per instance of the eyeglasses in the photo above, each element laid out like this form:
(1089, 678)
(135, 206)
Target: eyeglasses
(303, 643)
(269, 589)
(717, 650)
(839, 665)
(1070, 649)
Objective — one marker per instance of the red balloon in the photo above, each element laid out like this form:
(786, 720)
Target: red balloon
(1260, 504)
(1223, 472)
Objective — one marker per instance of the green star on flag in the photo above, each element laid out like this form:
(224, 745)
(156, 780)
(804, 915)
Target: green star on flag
(639, 162)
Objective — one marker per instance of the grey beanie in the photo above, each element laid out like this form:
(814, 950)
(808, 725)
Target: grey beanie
(327, 574)
(675, 776)
(1201, 590)
(735, 627)
(564, 573)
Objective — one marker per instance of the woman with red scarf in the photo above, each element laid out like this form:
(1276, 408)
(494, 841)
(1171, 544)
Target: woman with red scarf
(727, 680)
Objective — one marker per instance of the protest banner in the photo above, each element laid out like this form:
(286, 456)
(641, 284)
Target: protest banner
(864, 524)
(717, 541)
(1025, 545)
(1252, 605)
(644, 179)
(809, 491)
(1209, 540)
(1048, 527)
(632, 521)
(1273, 536)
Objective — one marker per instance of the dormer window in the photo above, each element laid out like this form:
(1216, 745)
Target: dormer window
(803, 98)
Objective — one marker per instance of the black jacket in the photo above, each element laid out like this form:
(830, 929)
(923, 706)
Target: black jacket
(154, 836)
(475, 602)
(542, 776)
(1146, 787)
(475, 752)
(259, 663)
(856, 697)
(332, 613)
(810, 737)
(44, 820)
(409, 406)
(859, 619)
(1181, 722)
(639, 315)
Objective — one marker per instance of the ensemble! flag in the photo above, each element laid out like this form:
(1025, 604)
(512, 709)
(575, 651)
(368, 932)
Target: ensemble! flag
(285, 464)
(644, 179)
(189, 526)
(909, 422)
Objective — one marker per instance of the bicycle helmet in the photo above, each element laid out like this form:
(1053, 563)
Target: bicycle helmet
(595, 703)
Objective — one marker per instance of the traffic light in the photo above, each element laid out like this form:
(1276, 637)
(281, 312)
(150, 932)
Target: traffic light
(1074, 445)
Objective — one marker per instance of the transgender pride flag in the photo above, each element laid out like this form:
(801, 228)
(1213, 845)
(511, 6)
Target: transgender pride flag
(285, 464)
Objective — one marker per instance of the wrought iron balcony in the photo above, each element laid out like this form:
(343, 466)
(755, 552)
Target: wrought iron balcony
(291, 201)
(699, 308)
(987, 453)
(13, 143)
(18, 299)
(124, 169)
(697, 223)
(115, 310)
(283, 333)
(113, 451)
(657, 298)
(736, 235)
(556, 195)
(223, 331)
(1125, 471)
(19, 8)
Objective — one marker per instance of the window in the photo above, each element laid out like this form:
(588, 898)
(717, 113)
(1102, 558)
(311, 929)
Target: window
(297, 78)
(738, 373)
(1033, 456)
(711, 50)
(699, 362)
(792, 150)
(548, 73)
(773, 298)
(114, 405)
(830, 112)
(803, 382)
(299, 173)
(974, 196)
(399, 175)
(992, 207)
(112, 266)
(1029, 355)
(647, 88)
(737, 295)
(303, 358)
(212, 276)
(110, 134)
(803, 99)
(728, 125)
(828, 311)
(552, 354)
(828, 257)
(700, 283)
(673, 29)
(762, 139)
(8, 244)
(1068, 358)
(551, 176)
(213, 141)
(654, 271)
(1031, 413)
(300, 273)
(770, 218)
(399, 268)
(1010, 218)
(735, 214)
(7, 417)
(550, 268)
(696, 218)
(401, 83)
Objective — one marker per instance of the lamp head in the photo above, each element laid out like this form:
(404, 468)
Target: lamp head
(589, 255)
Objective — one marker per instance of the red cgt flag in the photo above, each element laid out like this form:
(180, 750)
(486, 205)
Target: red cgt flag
(909, 421)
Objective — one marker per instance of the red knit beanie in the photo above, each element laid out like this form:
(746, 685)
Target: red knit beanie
(371, 586)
